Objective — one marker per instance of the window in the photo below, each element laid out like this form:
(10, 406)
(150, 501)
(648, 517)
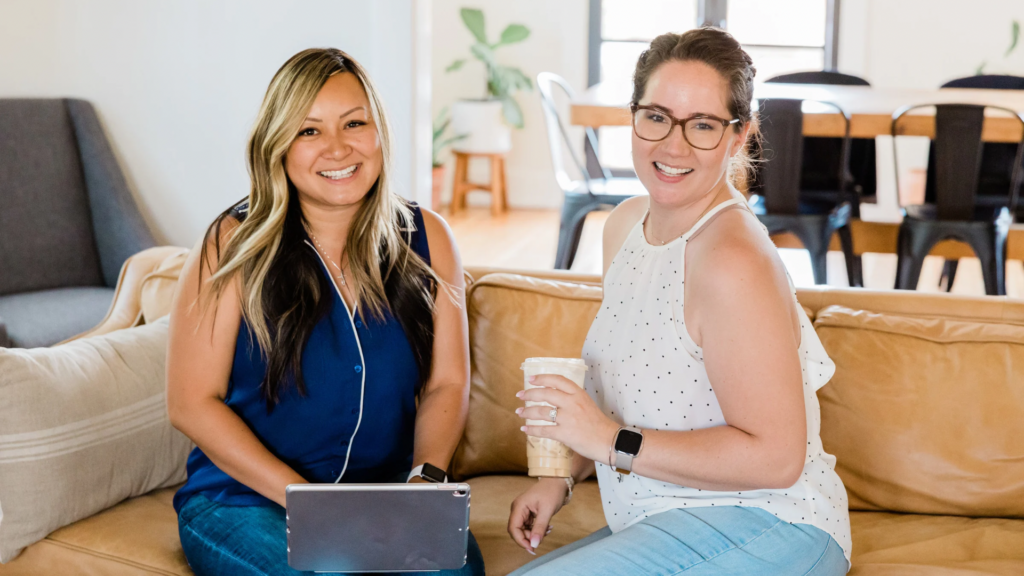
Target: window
(781, 36)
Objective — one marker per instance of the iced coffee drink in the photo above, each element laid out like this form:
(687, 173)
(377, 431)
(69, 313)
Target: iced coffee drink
(547, 457)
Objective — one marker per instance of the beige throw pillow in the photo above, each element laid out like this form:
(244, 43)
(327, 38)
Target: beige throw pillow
(83, 426)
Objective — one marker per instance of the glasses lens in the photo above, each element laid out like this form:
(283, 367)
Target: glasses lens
(704, 133)
(651, 124)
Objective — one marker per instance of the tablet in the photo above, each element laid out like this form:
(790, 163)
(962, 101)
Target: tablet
(377, 527)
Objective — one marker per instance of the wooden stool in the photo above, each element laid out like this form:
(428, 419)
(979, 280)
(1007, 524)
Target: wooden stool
(497, 187)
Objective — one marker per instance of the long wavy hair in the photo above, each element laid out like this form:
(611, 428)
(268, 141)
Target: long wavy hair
(283, 290)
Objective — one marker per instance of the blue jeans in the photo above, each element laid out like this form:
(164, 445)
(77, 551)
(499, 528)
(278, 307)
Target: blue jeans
(223, 540)
(727, 540)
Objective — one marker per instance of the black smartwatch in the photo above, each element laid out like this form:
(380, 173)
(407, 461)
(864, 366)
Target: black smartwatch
(429, 472)
(627, 444)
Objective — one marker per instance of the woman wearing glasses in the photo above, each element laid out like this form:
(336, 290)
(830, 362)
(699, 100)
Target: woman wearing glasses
(701, 420)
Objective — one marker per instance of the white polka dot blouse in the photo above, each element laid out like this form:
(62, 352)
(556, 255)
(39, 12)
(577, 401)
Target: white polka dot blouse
(646, 371)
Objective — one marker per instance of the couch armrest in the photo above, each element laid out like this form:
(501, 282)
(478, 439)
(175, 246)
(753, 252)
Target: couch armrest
(126, 310)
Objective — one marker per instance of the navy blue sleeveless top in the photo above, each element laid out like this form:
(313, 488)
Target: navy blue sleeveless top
(349, 362)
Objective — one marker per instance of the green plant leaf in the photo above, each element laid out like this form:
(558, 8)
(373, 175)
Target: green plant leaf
(519, 80)
(1014, 37)
(440, 145)
(513, 114)
(440, 128)
(455, 65)
(474, 20)
(981, 69)
(513, 33)
(453, 139)
(483, 53)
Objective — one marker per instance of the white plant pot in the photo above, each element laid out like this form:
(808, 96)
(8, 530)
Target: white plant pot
(484, 123)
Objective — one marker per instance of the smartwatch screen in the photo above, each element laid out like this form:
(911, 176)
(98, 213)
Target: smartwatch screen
(628, 442)
(432, 473)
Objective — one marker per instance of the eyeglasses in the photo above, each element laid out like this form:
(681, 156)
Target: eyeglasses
(702, 131)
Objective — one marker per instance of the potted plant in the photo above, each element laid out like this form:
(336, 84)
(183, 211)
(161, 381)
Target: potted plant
(485, 122)
(441, 123)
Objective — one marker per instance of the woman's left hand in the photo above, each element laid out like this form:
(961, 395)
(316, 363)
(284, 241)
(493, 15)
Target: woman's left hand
(579, 423)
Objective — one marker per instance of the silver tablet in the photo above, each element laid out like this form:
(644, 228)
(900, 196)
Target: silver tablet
(377, 527)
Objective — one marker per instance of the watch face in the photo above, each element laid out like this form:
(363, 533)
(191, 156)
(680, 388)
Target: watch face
(432, 473)
(628, 442)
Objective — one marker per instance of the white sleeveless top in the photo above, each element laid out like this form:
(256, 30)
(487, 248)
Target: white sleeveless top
(646, 371)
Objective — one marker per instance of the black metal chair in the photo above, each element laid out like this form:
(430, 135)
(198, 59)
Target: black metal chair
(581, 197)
(779, 202)
(820, 77)
(955, 163)
(821, 155)
(996, 162)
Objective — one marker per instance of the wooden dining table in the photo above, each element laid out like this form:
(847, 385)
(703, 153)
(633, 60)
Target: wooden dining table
(871, 110)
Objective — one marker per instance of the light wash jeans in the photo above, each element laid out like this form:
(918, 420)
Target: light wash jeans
(727, 540)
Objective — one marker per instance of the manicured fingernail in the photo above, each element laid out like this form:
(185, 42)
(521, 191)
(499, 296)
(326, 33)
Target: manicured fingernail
(522, 428)
(519, 410)
(519, 394)
(532, 378)
(532, 552)
(534, 542)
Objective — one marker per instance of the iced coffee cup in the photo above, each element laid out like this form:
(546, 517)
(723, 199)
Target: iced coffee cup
(547, 457)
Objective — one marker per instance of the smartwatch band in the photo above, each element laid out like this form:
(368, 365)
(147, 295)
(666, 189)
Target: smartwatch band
(431, 474)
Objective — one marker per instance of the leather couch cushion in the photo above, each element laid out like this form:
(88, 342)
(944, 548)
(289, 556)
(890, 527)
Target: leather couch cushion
(995, 309)
(886, 544)
(135, 538)
(492, 500)
(925, 415)
(512, 318)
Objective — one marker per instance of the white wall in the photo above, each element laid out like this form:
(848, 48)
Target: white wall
(177, 84)
(924, 43)
(557, 43)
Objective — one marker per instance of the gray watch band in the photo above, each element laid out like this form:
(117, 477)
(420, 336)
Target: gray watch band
(623, 463)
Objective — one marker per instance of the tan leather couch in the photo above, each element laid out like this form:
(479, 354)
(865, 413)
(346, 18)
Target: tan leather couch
(925, 414)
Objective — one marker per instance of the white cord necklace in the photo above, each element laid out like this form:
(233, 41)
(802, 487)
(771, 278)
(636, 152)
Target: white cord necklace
(341, 273)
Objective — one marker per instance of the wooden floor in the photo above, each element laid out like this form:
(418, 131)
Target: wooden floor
(528, 238)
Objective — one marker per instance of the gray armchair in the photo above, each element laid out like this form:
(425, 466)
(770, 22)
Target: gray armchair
(67, 221)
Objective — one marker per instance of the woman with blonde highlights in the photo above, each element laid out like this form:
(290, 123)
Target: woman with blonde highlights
(308, 327)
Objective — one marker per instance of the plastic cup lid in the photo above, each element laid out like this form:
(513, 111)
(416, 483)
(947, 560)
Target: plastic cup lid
(576, 362)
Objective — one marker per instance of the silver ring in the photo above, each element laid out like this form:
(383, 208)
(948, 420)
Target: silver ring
(553, 414)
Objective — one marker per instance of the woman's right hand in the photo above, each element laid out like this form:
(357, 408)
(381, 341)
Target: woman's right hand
(528, 522)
